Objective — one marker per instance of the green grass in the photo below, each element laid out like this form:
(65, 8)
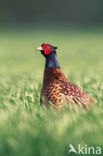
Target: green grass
(26, 129)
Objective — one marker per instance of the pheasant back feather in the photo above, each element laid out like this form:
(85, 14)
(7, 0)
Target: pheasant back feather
(57, 90)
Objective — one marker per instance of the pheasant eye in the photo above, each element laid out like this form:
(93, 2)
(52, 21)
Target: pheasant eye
(47, 49)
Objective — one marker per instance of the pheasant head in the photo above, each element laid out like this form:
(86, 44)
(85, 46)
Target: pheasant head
(49, 52)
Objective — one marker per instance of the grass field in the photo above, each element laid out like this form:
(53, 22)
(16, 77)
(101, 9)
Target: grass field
(26, 129)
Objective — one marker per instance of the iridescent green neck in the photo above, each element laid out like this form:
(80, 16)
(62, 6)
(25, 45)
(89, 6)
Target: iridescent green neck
(52, 61)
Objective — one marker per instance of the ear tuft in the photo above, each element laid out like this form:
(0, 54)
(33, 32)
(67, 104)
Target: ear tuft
(55, 47)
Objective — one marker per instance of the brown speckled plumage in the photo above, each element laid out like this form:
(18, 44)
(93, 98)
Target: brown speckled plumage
(57, 90)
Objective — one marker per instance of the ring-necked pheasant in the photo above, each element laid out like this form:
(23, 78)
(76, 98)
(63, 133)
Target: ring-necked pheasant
(56, 89)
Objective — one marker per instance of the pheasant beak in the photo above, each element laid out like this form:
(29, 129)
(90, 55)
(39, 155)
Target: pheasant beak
(39, 48)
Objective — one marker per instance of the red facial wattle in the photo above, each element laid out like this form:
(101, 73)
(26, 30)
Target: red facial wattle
(47, 49)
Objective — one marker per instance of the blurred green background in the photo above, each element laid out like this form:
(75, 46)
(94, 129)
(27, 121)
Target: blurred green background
(76, 28)
(55, 12)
